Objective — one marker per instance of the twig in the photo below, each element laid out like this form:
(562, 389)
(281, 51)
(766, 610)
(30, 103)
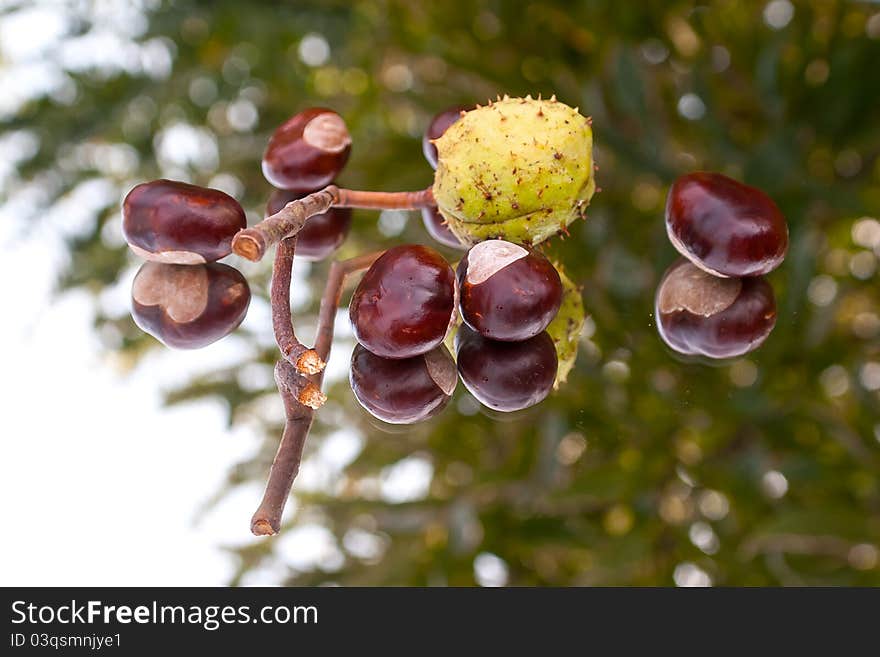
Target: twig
(305, 360)
(267, 518)
(266, 521)
(293, 384)
(252, 243)
(336, 279)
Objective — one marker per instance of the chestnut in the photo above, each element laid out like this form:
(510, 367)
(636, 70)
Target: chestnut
(506, 376)
(322, 233)
(178, 223)
(405, 302)
(725, 227)
(403, 390)
(307, 151)
(438, 125)
(701, 314)
(436, 226)
(189, 306)
(507, 292)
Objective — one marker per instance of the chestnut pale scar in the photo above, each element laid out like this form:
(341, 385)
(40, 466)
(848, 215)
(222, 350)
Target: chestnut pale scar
(690, 288)
(180, 289)
(487, 258)
(328, 133)
(441, 369)
(168, 257)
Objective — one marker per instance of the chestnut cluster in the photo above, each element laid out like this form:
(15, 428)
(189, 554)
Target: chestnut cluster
(410, 299)
(181, 296)
(715, 302)
(500, 298)
(400, 312)
(509, 295)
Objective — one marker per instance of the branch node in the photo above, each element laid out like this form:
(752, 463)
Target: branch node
(309, 362)
(311, 396)
(301, 396)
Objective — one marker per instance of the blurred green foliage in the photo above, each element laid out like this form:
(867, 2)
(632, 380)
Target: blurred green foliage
(644, 469)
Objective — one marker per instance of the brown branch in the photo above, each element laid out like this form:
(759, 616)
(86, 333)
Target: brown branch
(267, 518)
(252, 243)
(266, 521)
(351, 198)
(293, 384)
(305, 360)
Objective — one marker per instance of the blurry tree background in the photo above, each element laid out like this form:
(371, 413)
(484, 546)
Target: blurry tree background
(644, 469)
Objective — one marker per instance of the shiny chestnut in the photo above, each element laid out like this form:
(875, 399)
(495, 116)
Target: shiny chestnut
(178, 223)
(438, 125)
(506, 376)
(725, 227)
(322, 233)
(403, 390)
(307, 151)
(701, 314)
(189, 306)
(404, 303)
(507, 292)
(436, 226)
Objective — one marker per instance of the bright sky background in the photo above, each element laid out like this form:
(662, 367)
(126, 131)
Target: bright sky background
(99, 485)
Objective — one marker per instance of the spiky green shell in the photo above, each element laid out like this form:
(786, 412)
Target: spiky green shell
(566, 327)
(518, 169)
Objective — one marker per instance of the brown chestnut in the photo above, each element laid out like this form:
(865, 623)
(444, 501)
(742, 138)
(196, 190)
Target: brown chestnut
(322, 233)
(436, 226)
(189, 306)
(725, 227)
(178, 223)
(403, 390)
(507, 292)
(438, 125)
(701, 314)
(307, 151)
(404, 303)
(506, 376)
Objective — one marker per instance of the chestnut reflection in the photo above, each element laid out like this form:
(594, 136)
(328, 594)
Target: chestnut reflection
(439, 124)
(436, 226)
(701, 314)
(506, 376)
(322, 233)
(403, 390)
(189, 306)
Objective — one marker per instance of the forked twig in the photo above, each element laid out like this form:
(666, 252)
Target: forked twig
(267, 518)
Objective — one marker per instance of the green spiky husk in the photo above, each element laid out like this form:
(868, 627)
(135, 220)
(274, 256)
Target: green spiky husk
(518, 169)
(566, 327)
